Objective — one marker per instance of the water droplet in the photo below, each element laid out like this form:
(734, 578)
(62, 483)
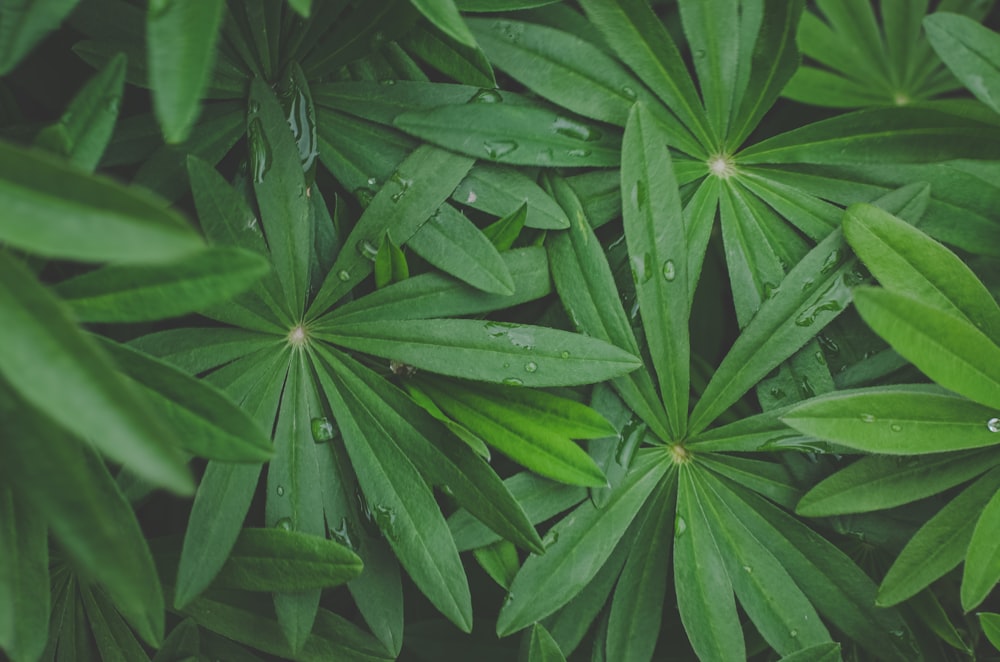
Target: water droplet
(828, 344)
(367, 249)
(509, 598)
(372, 181)
(809, 282)
(806, 388)
(669, 271)
(680, 526)
(699, 54)
(486, 96)
(404, 186)
(770, 289)
(512, 381)
(776, 393)
(831, 261)
(284, 523)
(387, 81)
(747, 569)
(580, 153)
(809, 315)
(343, 275)
(628, 92)
(112, 104)
(793, 633)
(280, 491)
(993, 425)
(820, 357)
(564, 354)
(497, 149)
(530, 366)
(254, 107)
(576, 130)
(253, 225)
(896, 427)
(364, 196)
(510, 30)
(551, 538)
(639, 195)
(868, 418)
(385, 517)
(323, 430)
(642, 268)
(342, 534)
(260, 150)
(629, 439)
(471, 198)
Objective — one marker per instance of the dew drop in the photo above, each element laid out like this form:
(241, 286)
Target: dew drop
(513, 381)
(322, 430)
(820, 357)
(254, 106)
(776, 393)
(342, 534)
(896, 427)
(793, 633)
(497, 149)
(868, 418)
(260, 150)
(628, 92)
(509, 598)
(486, 96)
(284, 523)
(680, 526)
(530, 366)
(642, 268)
(806, 388)
(280, 491)
(831, 261)
(669, 271)
(551, 538)
(747, 569)
(387, 81)
(580, 153)
(575, 130)
(385, 517)
(828, 344)
(639, 195)
(372, 181)
(564, 354)
(993, 425)
(809, 315)
(367, 249)
(343, 275)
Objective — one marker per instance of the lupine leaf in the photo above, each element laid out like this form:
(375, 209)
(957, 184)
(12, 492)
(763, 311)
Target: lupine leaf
(971, 51)
(982, 560)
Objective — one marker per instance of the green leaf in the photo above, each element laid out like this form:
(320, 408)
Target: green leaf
(390, 264)
(55, 210)
(453, 244)
(183, 643)
(517, 135)
(948, 349)
(83, 131)
(286, 561)
(655, 235)
(500, 5)
(970, 50)
(500, 561)
(579, 546)
(111, 634)
(991, 627)
(520, 429)
(127, 293)
(402, 504)
(457, 61)
(876, 482)
(829, 652)
(939, 545)
(196, 350)
(303, 7)
(502, 191)
(23, 23)
(895, 421)
(445, 17)
(419, 185)
(63, 373)
(24, 578)
(539, 646)
(982, 561)
(181, 49)
(704, 591)
(505, 231)
(513, 354)
(70, 488)
(907, 261)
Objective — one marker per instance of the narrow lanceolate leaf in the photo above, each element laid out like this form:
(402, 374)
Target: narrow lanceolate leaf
(580, 544)
(54, 209)
(948, 349)
(939, 545)
(285, 561)
(181, 51)
(83, 131)
(126, 293)
(589, 295)
(23, 23)
(704, 591)
(279, 182)
(402, 504)
(424, 180)
(111, 633)
(453, 244)
(907, 261)
(991, 627)
(502, 191)
(445, 17)
(970, 50)
(518, 135)
(813, 293)
(877, 482)
(512, 354)
(63, 373)
(513, 431)
(540, 646)
(982, 561)
(714, 33)
(24, 578)
(70, 488)
(891, 421)
(655, 235)
(829, 652)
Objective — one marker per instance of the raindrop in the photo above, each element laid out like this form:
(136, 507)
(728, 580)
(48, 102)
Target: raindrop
(896, 427)
(342, 534)
(575, 130)
(993, 425)
(578, 152)
(280, 491)
(372, 181)
(806, 388)
(642, 268)
(639, 196)
(497, 149)
(828, 344)
(669, 271)
(112, 104)
(770, 289)
(530, 366)
(260, 150)
(254, 106)
(680, 526)
(699, 54)
(551, 538)
(322, 430)
(776, 393)
(404, 186)
(385, 517)
(471, 198)
(343, 275)
(628, 92)
(367, 249)
(284, 523)
(793, 633)
(747, 569)
(509, 598)
(809, 315)
(820, 357)
(513, 381)
(564, 354)
(870, 418)
(486, 96)
(387, 81)
(831, 261)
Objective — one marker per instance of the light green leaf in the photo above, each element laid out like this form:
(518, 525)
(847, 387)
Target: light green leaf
(513, 354)
(390, 264)
(991, 627)
(63, 373)
(907, 261)
(445, 17)
(579, 546)
(500, 561)
(504, 232)
(127, 293)
(518, 135)
(877, 482)
(303, 7)
(181, 50)
(657, 247)
(24, 578)
(948, 349)
(939, 545)
(83, 131)
(55, 210)
(539, 646)
(970, 50)
(453, 244)
(982, 561)
(420, 184)
(891, 421)
(23, 23)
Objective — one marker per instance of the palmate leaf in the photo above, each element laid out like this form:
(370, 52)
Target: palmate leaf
(971, 51)
(111, 634)
(24, 578)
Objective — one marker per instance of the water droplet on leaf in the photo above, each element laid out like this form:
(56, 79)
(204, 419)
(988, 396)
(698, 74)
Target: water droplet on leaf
(680, 526)
(343, 275)
(669, 271)
(530, 366)
(284, 523)
(513, 381)
(497, 149)
(322, 430)
(868, 418)
(280, 491)
(993, 425)
(260, 150)
(486, 96)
